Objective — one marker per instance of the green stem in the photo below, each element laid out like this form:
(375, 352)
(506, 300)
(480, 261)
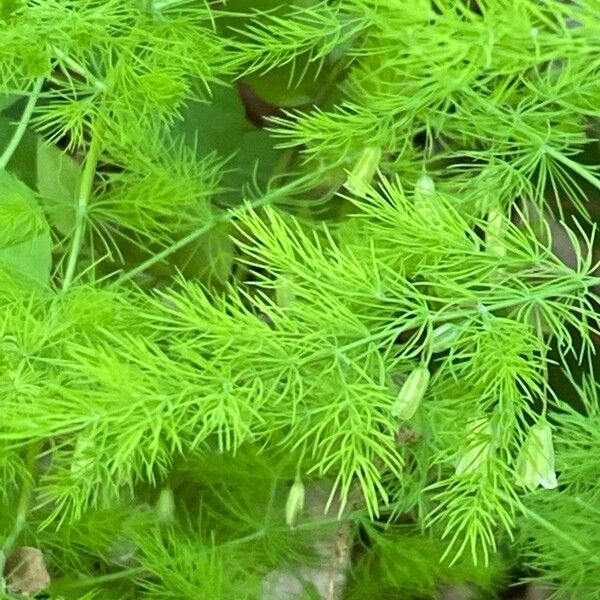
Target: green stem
(224, 217)
(23, 123)
(75, 67)
(85, 191)
(557, 532)
(284, 162)
(109, 577)
(184, 241)
(22, 508)
(574, 166)
(394, 329)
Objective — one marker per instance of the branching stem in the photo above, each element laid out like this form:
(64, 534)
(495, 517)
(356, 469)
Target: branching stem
(575, 167)
(17, 136)
(85, 190)
(22, 508)
(224, 217)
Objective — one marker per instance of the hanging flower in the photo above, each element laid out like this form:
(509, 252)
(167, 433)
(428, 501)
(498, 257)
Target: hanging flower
(495, 233)
(479, 436)
(295, 502)
(444, 337)
(411, 394)
(364, 170)
(535, 464)
(425, 186)
(284, 293)
(165, 506)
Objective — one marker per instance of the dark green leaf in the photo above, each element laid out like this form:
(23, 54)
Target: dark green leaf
(7, 100)
(22, 163)
(221, 127)
(25, 246)
(211, 258)
(57, 182)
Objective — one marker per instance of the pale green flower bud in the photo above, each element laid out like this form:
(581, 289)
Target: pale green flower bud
(535, 464)
(411, 394)
(479, 434)
(84, 453)
(425, 186)
(494, 233)
(295, 502)
(284, 295)
(444, 336)
(364, 170)
(165, 506)
(424, 203)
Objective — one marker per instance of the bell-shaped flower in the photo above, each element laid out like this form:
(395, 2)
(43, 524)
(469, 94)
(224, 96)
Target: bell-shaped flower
(444, 336)
(495, 233)
(425, 186)
(479, 438)
(535, 464)
(165, 506)
(295, 502)
(411, 394)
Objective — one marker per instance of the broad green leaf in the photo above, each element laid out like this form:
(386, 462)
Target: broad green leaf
(30, 261)
(211, 258)
(20, 216)
(280, 86)
(255, 161)
(221, 126)
(25, 244)
(22, 163)
(216, 126)
(7, 100)
(57, 182)
(8, 7)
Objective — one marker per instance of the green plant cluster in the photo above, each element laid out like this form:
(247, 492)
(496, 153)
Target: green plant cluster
(390, 291)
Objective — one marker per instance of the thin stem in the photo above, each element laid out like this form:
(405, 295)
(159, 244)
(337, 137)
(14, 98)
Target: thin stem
(23, 123)
(224, 217)
(299, 464)
(75, 67)
(543, 358)
(22, 508)
(109, 577)
(557, 532)
(184, 241)
(284, 162)
(574, 166)
(85, 190)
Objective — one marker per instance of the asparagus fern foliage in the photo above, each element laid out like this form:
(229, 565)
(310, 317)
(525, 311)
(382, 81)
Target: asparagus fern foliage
(391, 291)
